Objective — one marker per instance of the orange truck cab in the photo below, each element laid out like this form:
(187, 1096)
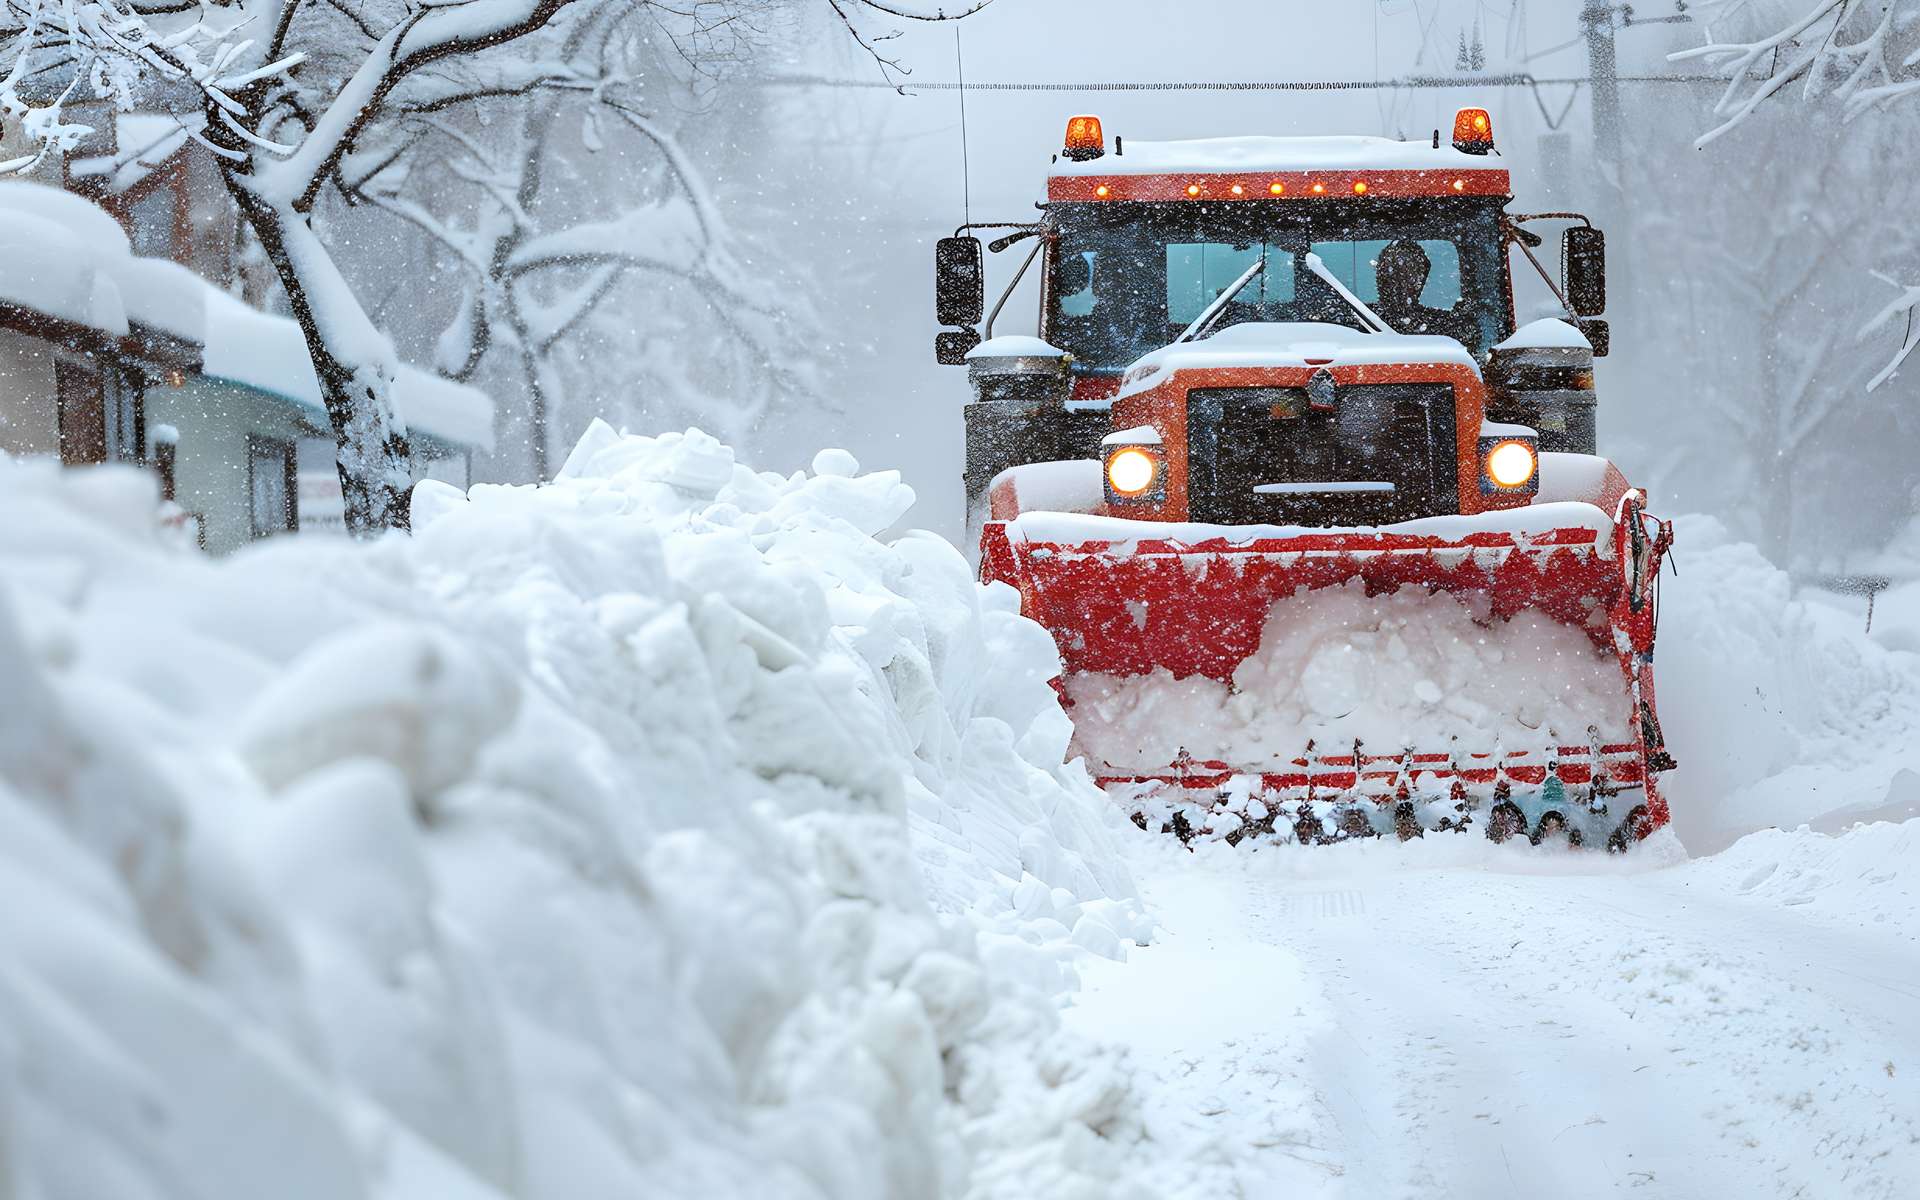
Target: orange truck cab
(1136, 240)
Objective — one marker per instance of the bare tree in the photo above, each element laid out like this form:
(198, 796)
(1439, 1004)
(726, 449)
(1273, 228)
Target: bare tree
(1746, 306)
(284, 113)
(1858, 55)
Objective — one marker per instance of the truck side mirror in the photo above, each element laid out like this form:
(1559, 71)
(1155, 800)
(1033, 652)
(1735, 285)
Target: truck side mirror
(1583, 269)
(950, 346)
(959, 281)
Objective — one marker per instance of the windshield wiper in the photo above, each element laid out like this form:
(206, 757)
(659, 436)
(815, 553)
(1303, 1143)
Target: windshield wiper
(1370, 321)
(1221, 301)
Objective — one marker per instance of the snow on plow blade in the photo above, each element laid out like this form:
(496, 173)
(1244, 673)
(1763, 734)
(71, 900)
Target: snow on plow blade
(1490, 672)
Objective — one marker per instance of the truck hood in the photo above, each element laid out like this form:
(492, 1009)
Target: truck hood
(1293, 344)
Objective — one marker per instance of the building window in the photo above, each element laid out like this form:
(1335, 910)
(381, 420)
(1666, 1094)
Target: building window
(83, 416)
(270, 486)
(102, 417)
(125, 418)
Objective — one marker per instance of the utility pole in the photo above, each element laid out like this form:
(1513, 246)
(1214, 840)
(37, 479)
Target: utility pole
(1603, 74)
(1603, 71)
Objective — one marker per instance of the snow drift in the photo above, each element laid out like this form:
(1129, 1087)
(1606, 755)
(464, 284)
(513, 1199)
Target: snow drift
(658, 832)
(1781, 712)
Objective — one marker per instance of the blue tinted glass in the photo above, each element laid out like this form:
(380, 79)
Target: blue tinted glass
(1197, 272)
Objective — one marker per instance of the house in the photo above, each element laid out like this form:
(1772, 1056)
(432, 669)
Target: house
(255, 454)
(85, 328)
(107, 355)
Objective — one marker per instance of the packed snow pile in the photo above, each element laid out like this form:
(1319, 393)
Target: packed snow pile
(1781, 712)
(657, 832)
(1406, 668)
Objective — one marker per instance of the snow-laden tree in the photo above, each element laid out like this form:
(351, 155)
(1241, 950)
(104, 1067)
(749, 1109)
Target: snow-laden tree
(1851, 56)
(582, 196)
(295, 90)
(1746, 371)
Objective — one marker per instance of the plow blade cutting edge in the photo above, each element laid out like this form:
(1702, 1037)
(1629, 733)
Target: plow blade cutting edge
(1131, 601)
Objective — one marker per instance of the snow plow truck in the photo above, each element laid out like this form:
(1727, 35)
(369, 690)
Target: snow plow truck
(1317, 525)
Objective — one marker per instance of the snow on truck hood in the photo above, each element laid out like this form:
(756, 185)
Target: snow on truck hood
(1261, 153)
(1292, 344)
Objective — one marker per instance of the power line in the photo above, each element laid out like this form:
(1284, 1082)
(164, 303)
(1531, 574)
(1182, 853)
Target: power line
(1278, 85)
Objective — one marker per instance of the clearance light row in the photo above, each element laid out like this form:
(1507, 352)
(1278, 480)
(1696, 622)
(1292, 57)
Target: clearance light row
(1195, 190)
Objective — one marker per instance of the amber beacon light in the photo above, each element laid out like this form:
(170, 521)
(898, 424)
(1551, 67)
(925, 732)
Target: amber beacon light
(1085, 139)
(1472, 131)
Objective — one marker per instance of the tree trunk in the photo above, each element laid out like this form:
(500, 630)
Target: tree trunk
(1775, 511)
(353, 362)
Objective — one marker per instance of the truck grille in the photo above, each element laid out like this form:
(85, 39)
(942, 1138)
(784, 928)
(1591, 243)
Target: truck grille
(1384, 453)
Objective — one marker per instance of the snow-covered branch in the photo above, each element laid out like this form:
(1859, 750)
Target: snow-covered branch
(1906, 305)
(114, 52)
(1857, 53)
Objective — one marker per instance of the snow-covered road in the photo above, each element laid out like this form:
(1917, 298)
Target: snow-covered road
(1451, 1019)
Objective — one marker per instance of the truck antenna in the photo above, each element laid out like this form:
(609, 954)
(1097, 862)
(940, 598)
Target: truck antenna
(966, 172)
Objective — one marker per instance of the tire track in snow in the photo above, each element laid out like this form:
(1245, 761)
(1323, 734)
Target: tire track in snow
(1461, 1032)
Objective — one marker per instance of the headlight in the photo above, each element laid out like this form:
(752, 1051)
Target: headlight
(1511, 464)
(1132, 472)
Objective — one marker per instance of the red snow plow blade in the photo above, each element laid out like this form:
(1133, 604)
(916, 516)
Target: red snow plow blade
(1130, 599)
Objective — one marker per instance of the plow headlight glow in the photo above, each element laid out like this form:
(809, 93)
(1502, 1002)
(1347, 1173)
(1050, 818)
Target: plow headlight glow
(1511, 464)
(1132, 472)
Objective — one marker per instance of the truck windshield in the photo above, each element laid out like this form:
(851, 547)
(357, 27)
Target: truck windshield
(1130, 277)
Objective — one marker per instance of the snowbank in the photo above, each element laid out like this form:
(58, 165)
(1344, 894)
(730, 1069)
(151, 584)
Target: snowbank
(659, 832)
(1781, 712)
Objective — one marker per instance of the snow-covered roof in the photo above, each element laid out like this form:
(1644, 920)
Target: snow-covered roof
(63, 256)
(1278, 154)
(1292, 344)
(267, 352)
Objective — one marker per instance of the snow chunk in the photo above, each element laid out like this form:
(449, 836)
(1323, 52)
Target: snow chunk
(1015, 345)
(1266, 153)
(1504, 429)
(1139, 435)
(1293, 344)
(838, 463)
(1073, 486)
(1548, 333)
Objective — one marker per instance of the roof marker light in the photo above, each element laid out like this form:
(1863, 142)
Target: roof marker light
(1459, 185)
(1103, 191)
(1318, 188)
(1359, 187)
(1085, 140)
(1238, 190)
(1193, 189)
(1277, 188)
